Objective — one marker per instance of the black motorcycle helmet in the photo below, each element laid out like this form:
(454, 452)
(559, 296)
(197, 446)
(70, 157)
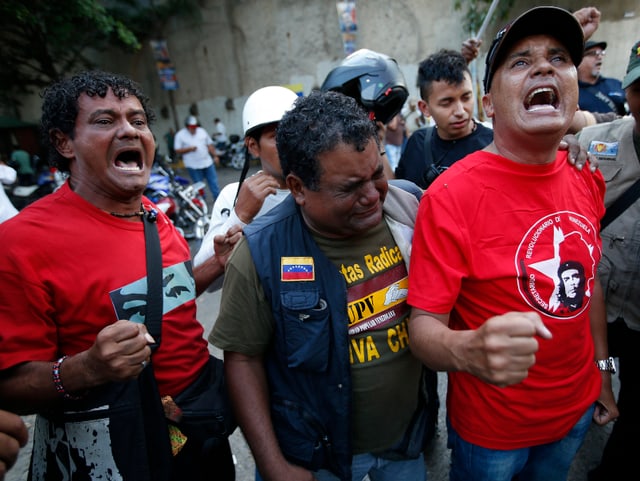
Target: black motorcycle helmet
(374, 80)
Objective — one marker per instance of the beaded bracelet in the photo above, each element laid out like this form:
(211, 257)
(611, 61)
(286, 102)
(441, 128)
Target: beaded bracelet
(57, 382)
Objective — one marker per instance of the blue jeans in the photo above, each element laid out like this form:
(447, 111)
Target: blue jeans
(211, 175)
(546, 462)
(378, 469)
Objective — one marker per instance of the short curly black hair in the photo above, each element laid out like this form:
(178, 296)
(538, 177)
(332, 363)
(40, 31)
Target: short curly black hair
(317, 124)
(60, 105)
(443, 66)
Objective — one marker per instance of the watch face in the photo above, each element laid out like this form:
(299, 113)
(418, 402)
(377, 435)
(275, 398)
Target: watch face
(607, 365)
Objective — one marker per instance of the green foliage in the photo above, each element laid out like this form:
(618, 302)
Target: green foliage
(475, 11)
(43, 40)
(149, 21)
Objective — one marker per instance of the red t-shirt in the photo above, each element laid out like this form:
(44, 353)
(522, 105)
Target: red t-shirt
(68, 269)
(491, 236)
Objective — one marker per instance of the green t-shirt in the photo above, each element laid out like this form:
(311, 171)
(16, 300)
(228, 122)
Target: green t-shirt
(22, 160)
(385, 375)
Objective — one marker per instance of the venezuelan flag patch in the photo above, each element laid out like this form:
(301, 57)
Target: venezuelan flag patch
(297, 269)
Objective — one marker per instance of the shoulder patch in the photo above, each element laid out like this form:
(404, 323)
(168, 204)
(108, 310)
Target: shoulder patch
(297, 269)
(607, 150)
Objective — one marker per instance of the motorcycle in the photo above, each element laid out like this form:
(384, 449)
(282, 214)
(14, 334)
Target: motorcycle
(232, 152)
(183, 202)
(48, 181)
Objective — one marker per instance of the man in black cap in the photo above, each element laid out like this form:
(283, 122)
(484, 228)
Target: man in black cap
(490, 235)
(597, 93)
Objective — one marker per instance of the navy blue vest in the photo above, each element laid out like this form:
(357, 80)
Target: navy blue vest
(307, 366)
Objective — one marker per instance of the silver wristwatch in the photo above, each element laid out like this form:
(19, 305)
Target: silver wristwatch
(606, 365)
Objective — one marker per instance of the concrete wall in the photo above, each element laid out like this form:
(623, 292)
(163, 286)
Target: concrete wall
(242, 45)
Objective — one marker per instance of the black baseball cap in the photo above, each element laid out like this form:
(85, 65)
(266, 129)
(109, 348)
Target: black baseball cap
(554, 21)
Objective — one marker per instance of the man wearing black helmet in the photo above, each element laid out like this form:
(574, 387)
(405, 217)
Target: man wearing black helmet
(376, 82)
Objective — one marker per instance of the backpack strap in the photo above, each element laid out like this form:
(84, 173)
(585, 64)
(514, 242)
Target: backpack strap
(621, 204)
(426, 145)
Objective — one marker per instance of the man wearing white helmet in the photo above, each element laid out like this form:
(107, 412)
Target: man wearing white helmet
(240, 202)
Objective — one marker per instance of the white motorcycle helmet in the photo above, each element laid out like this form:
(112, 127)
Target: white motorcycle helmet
(265, 106)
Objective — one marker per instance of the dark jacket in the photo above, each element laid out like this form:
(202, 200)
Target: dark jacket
(612, 144)
(606, 95)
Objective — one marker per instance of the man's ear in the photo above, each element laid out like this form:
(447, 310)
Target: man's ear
(424, 108)
(487, 105)
(62, 143)
(296, 187)
(252, 146)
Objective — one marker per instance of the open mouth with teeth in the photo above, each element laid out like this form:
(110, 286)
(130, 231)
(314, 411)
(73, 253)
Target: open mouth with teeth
(129, 160)
(541, 99)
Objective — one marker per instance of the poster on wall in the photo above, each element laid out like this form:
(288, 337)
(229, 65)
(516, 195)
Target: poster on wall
(348, 25)
(166, 70)
(297, 88)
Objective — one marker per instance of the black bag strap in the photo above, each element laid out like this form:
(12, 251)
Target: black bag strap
(426, 146)
(153, 315)
(621, 204)
(156, 433)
